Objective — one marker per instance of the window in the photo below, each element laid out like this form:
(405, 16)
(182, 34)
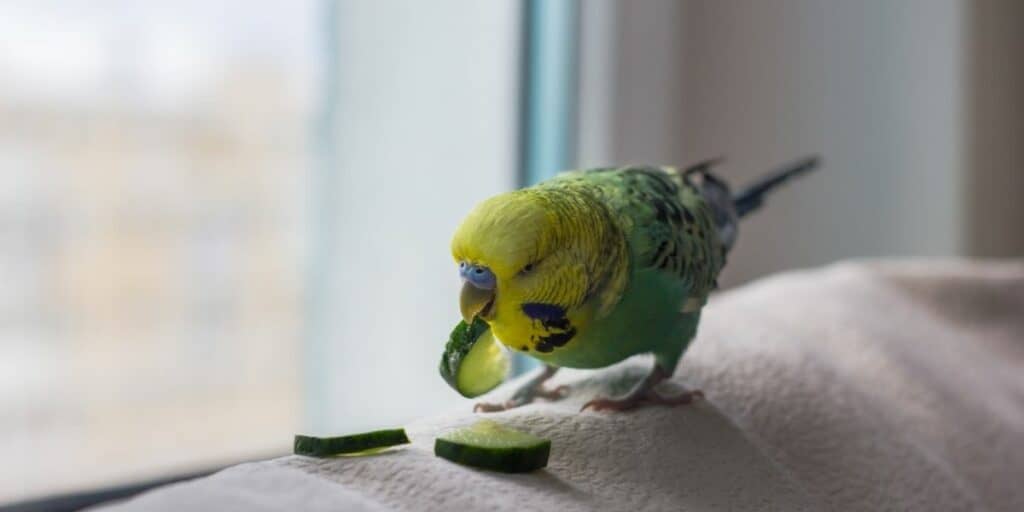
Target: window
(424, 126)
(154, 163)
(225, 222)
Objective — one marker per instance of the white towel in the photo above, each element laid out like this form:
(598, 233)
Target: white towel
(860, 386)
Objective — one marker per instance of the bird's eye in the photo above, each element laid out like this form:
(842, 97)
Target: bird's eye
(527, 268)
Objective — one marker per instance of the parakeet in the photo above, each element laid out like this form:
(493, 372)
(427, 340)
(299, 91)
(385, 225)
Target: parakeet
(591, 267)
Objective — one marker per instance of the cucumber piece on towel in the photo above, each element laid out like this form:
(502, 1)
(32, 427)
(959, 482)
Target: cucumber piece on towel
(355, 443)
(489, 445)
(474, 362)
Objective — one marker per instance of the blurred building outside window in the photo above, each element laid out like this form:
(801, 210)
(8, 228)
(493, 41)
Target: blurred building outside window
(152, 165)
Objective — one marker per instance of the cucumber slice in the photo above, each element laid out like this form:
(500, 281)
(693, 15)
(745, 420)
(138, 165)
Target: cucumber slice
(474, 362)
(489, 445)
(356, 443)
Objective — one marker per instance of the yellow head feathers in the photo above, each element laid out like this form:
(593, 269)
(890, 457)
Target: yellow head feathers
(505, 233)
(545, 245)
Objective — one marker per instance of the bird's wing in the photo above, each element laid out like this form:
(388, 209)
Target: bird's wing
(669, 224)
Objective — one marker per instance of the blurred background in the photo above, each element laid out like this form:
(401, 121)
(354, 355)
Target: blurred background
(223, 222)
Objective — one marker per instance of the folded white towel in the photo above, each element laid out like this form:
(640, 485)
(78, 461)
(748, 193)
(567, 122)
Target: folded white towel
(861, 386)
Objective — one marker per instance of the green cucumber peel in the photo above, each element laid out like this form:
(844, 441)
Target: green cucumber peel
(343, 445)
(489, 445)
(474, 362)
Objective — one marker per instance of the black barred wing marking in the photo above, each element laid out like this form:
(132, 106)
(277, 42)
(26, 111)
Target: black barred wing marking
(672, 221)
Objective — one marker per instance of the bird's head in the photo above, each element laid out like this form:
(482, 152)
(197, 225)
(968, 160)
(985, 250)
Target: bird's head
(507, 246)
(535, 252)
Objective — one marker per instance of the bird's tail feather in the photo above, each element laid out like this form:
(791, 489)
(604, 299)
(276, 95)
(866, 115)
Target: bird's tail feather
(727, 207)
(752, 197)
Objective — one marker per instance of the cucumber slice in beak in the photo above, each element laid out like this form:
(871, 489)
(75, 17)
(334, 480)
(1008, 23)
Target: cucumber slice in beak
(474, 362)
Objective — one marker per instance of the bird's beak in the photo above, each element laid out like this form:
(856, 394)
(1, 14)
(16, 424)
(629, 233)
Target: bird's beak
(474, 301)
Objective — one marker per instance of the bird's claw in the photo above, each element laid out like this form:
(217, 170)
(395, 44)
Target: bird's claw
(486, 407)
(551, 394)
(602, 404)
(634, 401)
(520, 399)
(684, 398)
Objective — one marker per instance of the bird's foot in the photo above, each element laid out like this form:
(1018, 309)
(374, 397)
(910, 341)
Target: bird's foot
(531, 391)
(644, 394)
(522, 399)
(651, 397)
(557, 393)
(524, 396)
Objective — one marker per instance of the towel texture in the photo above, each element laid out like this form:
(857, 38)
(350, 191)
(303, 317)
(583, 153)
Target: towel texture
(860, 386)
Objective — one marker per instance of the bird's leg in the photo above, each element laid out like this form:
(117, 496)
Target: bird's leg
(533, 389)
(644, 393)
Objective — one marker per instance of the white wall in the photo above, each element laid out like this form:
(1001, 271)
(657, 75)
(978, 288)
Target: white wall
(875, 87)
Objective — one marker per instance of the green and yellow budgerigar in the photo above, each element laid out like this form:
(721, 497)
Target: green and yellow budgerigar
(591, 267)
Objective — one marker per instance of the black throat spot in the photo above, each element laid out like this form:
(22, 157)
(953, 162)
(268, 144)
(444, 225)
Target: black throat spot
(550, 316)
(554, 321)
(552, 341)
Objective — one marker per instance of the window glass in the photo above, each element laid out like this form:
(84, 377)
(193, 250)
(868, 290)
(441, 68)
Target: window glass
(153, 160)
